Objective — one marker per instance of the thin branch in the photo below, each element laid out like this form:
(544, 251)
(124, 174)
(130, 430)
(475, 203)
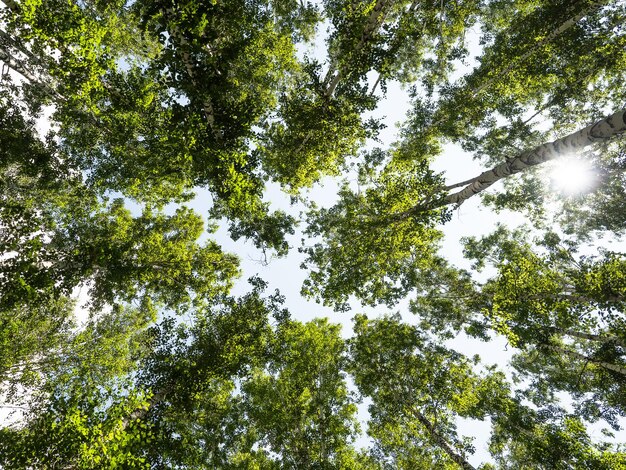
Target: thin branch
(458, 185)
(568, 352)
(552, 35)
(440, 441)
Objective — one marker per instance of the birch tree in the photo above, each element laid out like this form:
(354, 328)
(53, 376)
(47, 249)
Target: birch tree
(560, 311)
(420, 204)
(228, 391)
(550, 438)
(563, 313)
(417, 388)
(153, 101)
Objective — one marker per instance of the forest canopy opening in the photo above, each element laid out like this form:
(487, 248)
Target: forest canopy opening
(186, 139)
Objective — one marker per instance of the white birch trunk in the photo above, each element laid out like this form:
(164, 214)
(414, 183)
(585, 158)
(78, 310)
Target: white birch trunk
(207, 105)
(441, 442)
(601, 131)
(591, 337)
(374, 21)
(141, 412)
(605, 365)
(17, 66)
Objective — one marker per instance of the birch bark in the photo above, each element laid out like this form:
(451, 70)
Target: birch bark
(207, 105)
(17, 66)
(605, 365)
(441, 442)
(592, 337)
(11, 4)
(600, 131)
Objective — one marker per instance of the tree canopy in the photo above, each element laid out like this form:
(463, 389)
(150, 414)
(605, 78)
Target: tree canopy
(132, 133)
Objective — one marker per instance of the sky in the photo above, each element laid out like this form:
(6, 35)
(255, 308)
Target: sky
(471, 219)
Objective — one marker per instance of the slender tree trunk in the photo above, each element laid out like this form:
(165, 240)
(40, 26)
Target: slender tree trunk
(458, 185)
(592, 337)
(567, 24)
(394, 44)
(17, 66)
(605, 365)
(206, 102)
(9, 39)
(440, 441)
(380, 75)
(374, 21)
(601, 131)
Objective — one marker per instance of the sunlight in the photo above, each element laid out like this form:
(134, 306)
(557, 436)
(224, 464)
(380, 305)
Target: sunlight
(572, 175)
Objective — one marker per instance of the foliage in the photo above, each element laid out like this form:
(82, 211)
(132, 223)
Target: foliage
(147, 103)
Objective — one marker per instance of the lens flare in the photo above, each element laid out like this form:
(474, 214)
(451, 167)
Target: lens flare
(573, 176)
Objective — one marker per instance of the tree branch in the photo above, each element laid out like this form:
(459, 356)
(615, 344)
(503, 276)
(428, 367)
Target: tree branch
(600, 131)
(567, 24)
(440, 441)
(568, 352)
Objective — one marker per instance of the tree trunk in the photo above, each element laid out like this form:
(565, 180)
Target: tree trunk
(375, 19)
(441, 442)
(10, 40)
(141, 412)
(601, 131)
(17, 66)
(207, 105)
(605, 365)
(592, 337)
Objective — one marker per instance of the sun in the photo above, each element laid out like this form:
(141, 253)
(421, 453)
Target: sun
(571, 175)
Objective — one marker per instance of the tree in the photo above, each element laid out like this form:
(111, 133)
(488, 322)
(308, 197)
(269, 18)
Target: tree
(369, 250)
(418, 388)
(120, 257)
(523, 438)
(535, 74)
(299, 403)
(153, 100)
(388, 204)
(227, 391)
(76, 396)
(563, 311)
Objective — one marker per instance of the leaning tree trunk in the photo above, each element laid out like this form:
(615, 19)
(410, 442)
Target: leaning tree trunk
(605, 365)
(441, 442)
(604, 338)
(600, 131)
